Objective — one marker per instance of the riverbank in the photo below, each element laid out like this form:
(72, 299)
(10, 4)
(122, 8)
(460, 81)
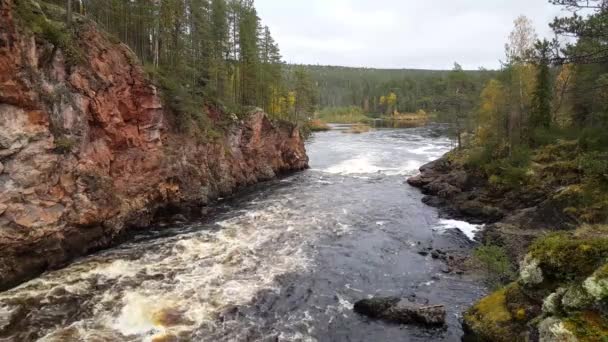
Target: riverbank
(512, 218)
(561, 287)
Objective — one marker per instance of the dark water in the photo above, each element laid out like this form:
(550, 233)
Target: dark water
(285, 262)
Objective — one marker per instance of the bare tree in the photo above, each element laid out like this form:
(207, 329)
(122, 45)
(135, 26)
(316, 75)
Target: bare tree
(521, 40)
(518, 51)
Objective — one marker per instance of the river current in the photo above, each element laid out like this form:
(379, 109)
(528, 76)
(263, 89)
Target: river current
(285, 261)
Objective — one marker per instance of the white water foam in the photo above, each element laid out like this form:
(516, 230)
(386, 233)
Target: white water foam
(137, 316)
(409, 168)
(178, 284)
(364, 165)
(467, 228)
(115, 269)
(359, 165)
(423, 150)
(5, 316)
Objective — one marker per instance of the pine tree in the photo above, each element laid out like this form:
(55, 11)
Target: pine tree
(249, 55)
(541, 98)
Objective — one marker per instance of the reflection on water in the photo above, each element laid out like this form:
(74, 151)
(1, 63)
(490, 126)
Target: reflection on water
(282, 263)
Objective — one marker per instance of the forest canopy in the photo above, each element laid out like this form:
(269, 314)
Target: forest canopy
(382, 91)
(204, 53)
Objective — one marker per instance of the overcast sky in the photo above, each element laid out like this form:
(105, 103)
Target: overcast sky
(429, 34)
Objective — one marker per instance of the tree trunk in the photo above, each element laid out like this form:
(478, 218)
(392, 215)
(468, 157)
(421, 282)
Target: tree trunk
(69, 12)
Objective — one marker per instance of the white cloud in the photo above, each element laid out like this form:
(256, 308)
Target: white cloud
(399, 33)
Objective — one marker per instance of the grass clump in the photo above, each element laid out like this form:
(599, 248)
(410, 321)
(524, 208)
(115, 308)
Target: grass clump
(505, 169)
(188, 108)
(64, 145)
(318, 126)
(496, 264)
(344, 115)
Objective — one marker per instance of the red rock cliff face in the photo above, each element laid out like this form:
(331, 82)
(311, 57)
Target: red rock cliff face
(86, 151)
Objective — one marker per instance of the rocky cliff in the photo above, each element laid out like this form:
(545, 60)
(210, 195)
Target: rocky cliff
(88, 152)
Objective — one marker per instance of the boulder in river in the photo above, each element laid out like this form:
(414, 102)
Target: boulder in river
(397, 310)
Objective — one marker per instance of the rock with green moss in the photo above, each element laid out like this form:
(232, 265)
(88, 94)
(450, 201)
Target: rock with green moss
(501, 316)
(567, 274)
(567, 256)
(587, 326)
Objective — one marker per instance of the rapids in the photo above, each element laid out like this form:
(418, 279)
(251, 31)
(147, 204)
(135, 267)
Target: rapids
(285, 261)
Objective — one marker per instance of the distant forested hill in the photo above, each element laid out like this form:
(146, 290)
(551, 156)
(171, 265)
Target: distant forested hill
(371, 89)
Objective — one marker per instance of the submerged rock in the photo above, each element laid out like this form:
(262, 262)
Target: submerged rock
(397, 310)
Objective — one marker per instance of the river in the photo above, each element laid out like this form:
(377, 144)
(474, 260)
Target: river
(285, 261)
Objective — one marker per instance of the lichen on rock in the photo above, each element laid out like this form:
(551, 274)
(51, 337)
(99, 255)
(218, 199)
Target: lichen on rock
(551, 304)
(553, 330)
(530, 272)
(597, 284)
(575, 298)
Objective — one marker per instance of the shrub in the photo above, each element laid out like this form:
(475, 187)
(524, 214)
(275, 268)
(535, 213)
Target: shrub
(594, 139)
(594, 164)
(496, 264)
(64, 145)
(350, 114)
(186, 106)
(509, 172)
(514, 177)
(358, 129)
(54, 32)
(480, 156)
(318, 126)
(547, 136)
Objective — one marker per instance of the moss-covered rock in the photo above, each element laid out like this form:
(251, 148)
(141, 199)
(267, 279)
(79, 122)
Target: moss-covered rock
(501, 316)
(588, 326)
(566, 274)
(568, 257)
